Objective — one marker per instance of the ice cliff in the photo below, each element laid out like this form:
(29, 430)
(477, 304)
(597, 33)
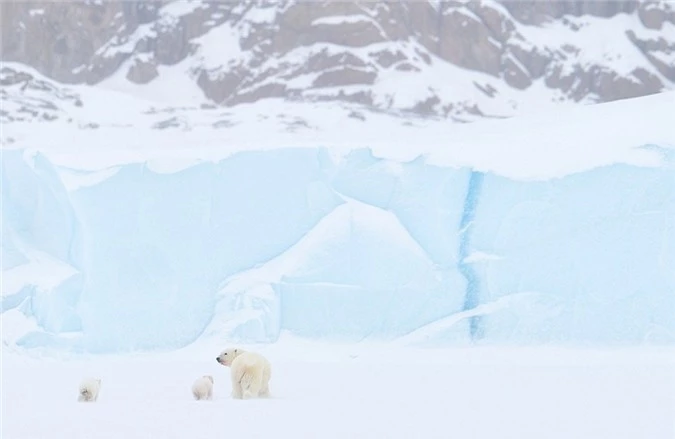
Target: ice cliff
(338, 248)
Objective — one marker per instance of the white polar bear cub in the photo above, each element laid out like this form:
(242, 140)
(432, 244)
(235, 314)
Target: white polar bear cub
(250, 373)
(203, 388)
(89, 389)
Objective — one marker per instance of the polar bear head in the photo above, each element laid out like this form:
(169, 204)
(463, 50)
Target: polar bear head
(209, 377)
(228, 355)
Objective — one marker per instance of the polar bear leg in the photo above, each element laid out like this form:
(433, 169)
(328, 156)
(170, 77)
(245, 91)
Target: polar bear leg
(265, 390)
(251, 383)
(265, 387)
(236, 386)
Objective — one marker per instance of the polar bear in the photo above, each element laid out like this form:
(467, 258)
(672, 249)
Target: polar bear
(250, 373)
(203, 388)
(89, 389)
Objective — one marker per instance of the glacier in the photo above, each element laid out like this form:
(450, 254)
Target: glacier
(349, 248)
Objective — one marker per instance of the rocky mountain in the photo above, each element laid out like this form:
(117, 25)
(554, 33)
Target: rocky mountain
(453, 59)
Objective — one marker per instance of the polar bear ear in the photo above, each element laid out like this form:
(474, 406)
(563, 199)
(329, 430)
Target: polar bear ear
(235, 351)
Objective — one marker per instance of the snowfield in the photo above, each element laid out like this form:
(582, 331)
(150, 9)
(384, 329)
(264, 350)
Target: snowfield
(351, 391)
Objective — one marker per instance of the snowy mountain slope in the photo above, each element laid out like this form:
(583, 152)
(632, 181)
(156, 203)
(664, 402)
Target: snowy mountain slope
(111, 128)
(458, 60)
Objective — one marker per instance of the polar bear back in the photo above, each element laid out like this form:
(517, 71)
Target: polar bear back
(250, 358)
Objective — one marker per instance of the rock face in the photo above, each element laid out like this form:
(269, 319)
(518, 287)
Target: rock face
(427, 57)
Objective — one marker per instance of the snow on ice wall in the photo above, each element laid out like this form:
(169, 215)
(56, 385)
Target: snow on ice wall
(293, 239)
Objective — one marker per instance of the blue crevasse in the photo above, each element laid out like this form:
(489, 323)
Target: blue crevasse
(472, 298)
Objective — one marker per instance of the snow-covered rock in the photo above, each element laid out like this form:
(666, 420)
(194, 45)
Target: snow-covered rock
(458, 60)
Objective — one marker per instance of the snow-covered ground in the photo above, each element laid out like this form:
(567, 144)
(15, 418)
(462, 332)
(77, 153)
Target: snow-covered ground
(351, 391)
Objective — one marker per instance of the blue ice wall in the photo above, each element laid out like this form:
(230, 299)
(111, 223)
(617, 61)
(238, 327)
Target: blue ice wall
(161, 243)
(350, 248)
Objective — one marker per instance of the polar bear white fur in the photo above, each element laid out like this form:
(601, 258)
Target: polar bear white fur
(250, 373)
(203, 388)
(89, 389)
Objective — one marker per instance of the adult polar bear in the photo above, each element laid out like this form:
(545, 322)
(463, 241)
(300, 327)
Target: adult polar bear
(250, 373)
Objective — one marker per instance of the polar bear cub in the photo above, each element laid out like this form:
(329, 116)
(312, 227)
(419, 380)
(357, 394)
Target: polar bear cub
(89, 389)
(250, 373)
(203, 388)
